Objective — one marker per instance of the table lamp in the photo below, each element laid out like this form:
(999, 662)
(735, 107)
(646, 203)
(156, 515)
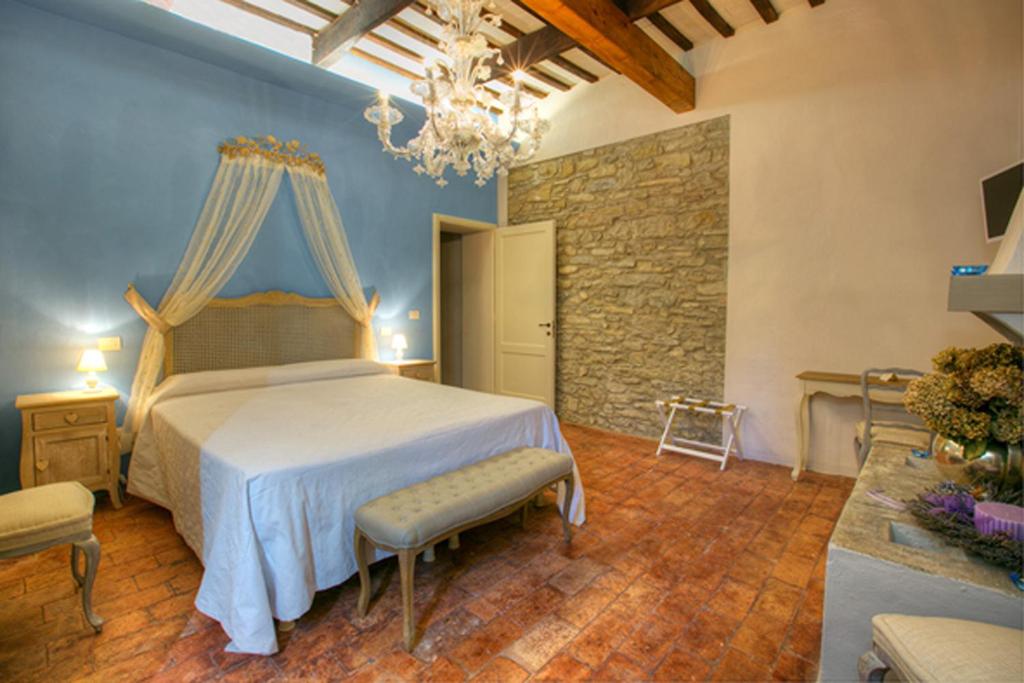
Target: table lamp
(92, 361)
(399, 344)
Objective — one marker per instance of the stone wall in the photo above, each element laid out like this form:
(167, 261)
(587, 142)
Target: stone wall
(643, 238)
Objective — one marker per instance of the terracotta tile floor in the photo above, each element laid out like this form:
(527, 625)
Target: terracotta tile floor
(681, 573)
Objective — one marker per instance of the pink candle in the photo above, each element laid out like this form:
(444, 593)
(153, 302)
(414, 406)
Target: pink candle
(991, 518)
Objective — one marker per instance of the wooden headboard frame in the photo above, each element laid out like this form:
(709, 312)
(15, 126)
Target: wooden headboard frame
(263, 328)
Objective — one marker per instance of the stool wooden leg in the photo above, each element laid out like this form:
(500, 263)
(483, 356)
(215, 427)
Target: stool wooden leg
(406, 569)
(523, 514)
(361, 545)
(91, 548)
(566, 525)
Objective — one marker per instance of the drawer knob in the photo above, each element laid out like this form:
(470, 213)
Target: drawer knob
(41, 465)
(71, 418)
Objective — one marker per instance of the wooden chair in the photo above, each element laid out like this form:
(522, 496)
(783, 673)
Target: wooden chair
(885, 419)
(34, 519)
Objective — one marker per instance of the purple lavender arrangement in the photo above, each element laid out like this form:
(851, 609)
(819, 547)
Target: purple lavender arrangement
(953, 500)
(948, 510)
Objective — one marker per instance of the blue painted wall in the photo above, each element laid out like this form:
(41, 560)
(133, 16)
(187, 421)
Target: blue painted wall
(107, 150)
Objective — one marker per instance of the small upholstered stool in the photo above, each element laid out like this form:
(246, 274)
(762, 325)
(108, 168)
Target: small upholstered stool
(415, 518)
(918, 649)
(34, 519)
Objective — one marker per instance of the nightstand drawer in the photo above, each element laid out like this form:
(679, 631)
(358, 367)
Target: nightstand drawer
(73, 416)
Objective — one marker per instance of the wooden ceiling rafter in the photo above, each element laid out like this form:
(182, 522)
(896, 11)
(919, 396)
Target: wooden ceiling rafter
(604, 28)
(343, 33)
(711, 15)
(397, 48)
(669, 30)
(272, 17)
(312, 8)
(766, 10)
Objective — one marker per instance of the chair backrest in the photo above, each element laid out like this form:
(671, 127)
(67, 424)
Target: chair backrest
(885, 387)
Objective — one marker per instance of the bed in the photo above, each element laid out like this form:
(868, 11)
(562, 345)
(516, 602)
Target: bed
(263, 463)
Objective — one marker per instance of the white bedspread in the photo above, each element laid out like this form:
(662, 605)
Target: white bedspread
(264, 468)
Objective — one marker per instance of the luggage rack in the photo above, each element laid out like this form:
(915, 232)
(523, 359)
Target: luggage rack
(731, 413)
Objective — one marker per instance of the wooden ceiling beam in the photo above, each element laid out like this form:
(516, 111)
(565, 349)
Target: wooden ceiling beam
(712, 16)
(532, 48)
(342, 34)
(640, 9)
(766, 10)
(602, 27)
(669, 30)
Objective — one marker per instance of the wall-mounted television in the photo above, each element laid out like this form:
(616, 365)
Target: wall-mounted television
(999, 193)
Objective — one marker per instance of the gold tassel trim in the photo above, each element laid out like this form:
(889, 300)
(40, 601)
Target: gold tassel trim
(292, 153)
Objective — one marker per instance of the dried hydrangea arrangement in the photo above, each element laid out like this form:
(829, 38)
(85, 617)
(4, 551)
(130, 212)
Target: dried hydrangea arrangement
(974, 397)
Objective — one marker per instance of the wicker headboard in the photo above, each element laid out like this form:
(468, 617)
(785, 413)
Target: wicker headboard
(266, 328)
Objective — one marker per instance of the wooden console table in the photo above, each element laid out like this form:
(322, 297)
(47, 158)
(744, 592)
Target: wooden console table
(837, 384)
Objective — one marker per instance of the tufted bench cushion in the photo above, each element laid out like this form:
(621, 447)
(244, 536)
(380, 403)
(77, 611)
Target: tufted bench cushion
(45, 514)
(412, 516)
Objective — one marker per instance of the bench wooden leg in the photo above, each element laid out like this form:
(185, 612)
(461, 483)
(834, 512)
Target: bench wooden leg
(75, 563)
(406, 569)
(362, 548)
(524, 514)
(566, 526)
(91, 548)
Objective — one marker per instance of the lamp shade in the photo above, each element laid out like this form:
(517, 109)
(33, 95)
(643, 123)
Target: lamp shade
(92, 361)
(399, 343)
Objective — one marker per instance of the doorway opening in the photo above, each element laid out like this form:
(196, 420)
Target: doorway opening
(464, 302)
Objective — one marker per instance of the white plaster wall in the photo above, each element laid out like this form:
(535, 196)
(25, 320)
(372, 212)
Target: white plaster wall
(860, 130)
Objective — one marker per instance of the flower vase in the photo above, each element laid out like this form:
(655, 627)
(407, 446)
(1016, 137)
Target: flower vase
(1000, 461)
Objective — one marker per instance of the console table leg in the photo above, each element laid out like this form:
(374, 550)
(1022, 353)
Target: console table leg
(804, 435)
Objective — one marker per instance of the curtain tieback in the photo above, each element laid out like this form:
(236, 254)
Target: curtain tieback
(145, 311)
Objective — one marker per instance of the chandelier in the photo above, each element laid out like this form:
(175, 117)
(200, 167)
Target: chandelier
(466, 125)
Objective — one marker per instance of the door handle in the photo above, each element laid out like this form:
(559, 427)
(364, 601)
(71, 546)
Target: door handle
(543, 324)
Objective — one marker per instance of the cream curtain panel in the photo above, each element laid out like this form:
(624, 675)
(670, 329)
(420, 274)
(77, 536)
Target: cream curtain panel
(325, 235)
(246, 183)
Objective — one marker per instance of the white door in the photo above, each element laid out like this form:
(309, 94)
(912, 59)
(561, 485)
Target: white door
(524, 288)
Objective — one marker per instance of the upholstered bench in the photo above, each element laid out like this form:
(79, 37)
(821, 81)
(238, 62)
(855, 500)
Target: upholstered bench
(918, 649)
(415, 518)
(34, 519)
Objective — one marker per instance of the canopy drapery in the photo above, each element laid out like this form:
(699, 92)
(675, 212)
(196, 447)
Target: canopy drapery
(247, 180)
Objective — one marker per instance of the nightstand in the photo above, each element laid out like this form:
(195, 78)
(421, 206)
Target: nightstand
(71, 436)
(413, 369)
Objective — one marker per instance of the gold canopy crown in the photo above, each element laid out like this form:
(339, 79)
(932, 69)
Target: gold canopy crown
(291, 153)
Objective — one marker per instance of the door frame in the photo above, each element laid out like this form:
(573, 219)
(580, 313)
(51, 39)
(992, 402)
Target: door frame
(460, 226)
